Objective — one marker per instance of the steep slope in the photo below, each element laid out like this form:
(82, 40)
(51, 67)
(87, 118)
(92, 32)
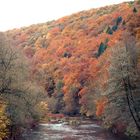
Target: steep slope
(70, 56)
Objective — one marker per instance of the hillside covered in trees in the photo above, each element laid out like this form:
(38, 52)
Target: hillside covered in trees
(88, 64)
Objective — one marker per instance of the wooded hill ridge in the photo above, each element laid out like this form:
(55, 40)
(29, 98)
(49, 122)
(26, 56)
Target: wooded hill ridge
(88, 63)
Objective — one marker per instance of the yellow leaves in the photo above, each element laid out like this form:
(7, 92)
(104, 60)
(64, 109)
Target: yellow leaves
(38, 42)
(44, 66)
(3, 122)
(48, 36)
(79, 42)
(89, 113)
(138, 34)
(42, 107)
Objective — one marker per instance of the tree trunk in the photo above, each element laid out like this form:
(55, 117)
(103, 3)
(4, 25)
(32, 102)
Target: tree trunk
(129, 104)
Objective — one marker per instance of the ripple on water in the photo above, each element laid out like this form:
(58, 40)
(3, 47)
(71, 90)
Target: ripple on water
(62, 131)
(90, 126)
(58, 127)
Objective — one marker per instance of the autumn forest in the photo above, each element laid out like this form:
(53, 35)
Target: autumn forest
(86, 64)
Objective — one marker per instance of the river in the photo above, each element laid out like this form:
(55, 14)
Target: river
(87, 130)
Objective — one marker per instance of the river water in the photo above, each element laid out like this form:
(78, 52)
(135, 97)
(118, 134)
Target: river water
(87, 130)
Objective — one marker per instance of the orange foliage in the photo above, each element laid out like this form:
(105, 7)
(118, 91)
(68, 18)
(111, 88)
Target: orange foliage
(82, 91)
(67, 48)
(100, 106)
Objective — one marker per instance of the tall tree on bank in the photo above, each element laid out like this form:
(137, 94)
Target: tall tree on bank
(123, 86)
(20, 94)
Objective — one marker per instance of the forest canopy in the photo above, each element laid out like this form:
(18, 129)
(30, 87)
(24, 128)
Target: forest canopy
(84, 64)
